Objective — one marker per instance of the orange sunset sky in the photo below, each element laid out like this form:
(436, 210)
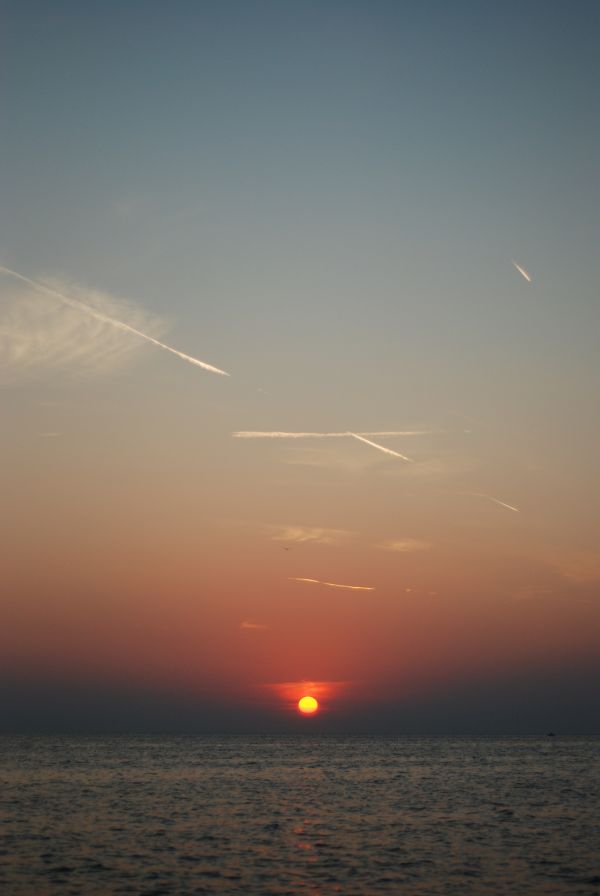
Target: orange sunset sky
(330, 203)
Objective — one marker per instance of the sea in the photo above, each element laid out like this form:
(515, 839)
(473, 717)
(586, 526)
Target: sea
(299, 815)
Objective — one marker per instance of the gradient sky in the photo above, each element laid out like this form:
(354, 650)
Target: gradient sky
(326, 200)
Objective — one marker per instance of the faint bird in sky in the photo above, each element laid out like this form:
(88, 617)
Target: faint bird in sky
(380, 447)
(522, 271)
(332, 584)
(104, 318)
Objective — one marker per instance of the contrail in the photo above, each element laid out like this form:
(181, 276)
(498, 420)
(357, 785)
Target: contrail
(494, 500)
(326, 435)
(522, 271)
(380, 447)
(333, 584)
(350, 587)
(127, 328)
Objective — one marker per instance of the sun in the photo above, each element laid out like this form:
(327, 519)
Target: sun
(308, 705)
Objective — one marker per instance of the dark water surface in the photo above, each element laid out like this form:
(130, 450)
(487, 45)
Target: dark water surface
(298, 815)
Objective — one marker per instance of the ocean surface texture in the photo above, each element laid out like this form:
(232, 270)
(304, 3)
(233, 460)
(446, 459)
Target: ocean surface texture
(267, 815)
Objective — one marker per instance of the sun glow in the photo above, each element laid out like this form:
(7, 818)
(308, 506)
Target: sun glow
(308, 705)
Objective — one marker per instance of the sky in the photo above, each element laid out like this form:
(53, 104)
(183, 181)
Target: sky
(377, 220)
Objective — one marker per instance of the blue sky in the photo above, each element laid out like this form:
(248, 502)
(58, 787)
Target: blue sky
(229, 163)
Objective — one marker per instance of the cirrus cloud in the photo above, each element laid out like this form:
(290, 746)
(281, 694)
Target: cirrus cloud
(309, 534)
(40, 334)
(405, 545)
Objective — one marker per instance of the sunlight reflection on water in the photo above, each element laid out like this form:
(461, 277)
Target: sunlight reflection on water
(293, 815)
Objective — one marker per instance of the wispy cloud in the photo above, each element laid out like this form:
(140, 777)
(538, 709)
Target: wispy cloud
(38, 335)
(380, 447)
(444, 466)
(530, 593)
(405, 545)
(308, 534)
(249, 434)
(72, 338)
(522, 271)
(331, 584)
(249, 626)
(578, 565)
(320, 458)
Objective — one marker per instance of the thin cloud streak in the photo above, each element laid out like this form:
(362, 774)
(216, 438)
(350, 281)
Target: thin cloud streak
(290, 691)
(406, 545)
(494, 501)
(522, 271)
(349, 587)
(308, 534)
(253, 626)
(381, 447)
(247, 434)
(103, 318)
(578, 565)
(332, 584)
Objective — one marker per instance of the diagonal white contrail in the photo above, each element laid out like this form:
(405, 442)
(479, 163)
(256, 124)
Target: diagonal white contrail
(120, 325)
(380, 447)
(494, 501)
(248, 434)
(522, 271)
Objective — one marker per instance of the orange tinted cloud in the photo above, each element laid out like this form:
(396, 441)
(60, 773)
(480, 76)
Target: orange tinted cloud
(332, 584)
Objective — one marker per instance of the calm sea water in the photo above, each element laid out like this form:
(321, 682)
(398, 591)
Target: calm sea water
(293, 815)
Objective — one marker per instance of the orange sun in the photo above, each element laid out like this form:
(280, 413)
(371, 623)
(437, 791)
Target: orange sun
(308, 705)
